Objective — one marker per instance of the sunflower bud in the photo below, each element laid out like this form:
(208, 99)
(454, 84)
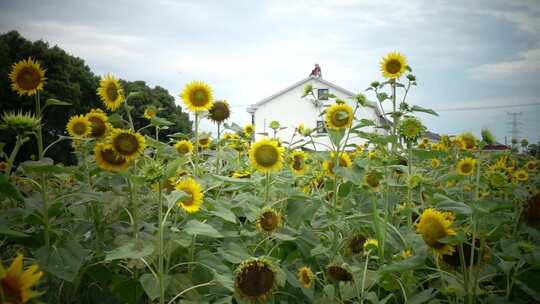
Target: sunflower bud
(19, 123)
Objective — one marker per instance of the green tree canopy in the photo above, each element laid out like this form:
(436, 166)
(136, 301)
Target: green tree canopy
(70, 79)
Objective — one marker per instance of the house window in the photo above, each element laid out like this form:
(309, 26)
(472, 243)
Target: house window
(321, 127)
(322, 94)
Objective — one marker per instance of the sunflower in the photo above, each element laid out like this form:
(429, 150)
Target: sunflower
(27, 77)
(521, 175)
(458, 143)
(301, 129)
(298, 162)
(469, 140)
(306, 277)
(99, 122)
(266, 156)
(466, 166)
(19, 123)
(531, 166)
(184, 147)
(110, 92)
(454, 260)
(197, 96)
(256, 280)
(3, 166)
(531, 211)
(393, 65)
(425, 141)
(248, 130)
(339, 116)
(371, 244)
(150, 112)
(107, 159)
(339, 273)
(435, 163)
(410, 128)
(16, 284)
(435, 225)
(356, 243)
(241, 174)
(78, 126)
(220, 111)
(127, 143)
(269, 220)
(344, 161)
(193, 203)
(405, 254)
(205, 142)
(372, 179)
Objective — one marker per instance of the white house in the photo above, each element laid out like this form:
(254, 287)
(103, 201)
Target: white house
(290, 109)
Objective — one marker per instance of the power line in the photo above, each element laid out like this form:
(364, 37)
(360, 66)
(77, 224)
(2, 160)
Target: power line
(489, 107)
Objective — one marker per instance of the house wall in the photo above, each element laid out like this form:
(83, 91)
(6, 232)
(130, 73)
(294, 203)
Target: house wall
(290, 109)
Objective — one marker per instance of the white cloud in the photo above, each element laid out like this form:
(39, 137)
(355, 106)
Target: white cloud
(527, 63)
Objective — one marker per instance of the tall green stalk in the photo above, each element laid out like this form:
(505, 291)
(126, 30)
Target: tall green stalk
(394, 116)
(218, 147)
(160, 248)
(196, 152)
(18, 144)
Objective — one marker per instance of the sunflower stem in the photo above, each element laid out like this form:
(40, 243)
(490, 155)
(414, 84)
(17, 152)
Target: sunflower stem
(133, 206)
(39, 133)
(364, 275)
(218, 147)
(376, 222)
(464, 270)
(128, 112)
(267, 188)
(394, 117)
(18, 144)
(160, 252)
(196, 152)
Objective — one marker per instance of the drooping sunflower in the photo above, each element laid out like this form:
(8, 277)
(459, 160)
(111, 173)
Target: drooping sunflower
(193, 203)
(16, 284)
(99, 122)
(306, 277)
(197, 96)
(248, 130)
(531, 211)
(372, 179)
(110, 92)
(454, 260)
(269, 220)
(301, 129)
(521, 175)
(298, 162)
(150, 112)
(256, 280)
(339, 116)
(466, 166)
(220, 111)
(355, 244)
(266, 156)
(469, 140)
(339, 273)
(344, 161)
(78, 126)
(27, 77)
(184, 147)
(410, 128)
(393, 65)
(127, 143)
(205, 142)
(435, 225)
(107, 159)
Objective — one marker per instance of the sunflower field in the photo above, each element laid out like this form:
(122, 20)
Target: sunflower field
(239, 217)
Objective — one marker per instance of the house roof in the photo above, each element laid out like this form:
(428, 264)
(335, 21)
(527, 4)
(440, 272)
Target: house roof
(252, 108)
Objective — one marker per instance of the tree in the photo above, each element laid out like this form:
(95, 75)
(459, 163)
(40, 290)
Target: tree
(69, 79)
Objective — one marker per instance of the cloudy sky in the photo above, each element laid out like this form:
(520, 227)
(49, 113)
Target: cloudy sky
(479, 54)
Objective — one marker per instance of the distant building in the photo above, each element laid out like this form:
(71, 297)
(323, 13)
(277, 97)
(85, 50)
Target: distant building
(290, 109)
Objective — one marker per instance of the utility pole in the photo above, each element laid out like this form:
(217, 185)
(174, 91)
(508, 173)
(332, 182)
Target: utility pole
(515, 127)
